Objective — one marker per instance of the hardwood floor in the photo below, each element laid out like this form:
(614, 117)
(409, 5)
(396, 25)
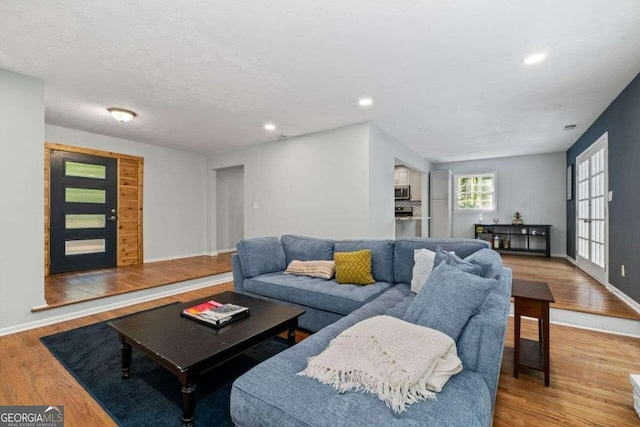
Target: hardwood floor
(589, 375)
(69, 288)
(572, 288)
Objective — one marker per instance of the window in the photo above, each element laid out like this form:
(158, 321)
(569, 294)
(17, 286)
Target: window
(475, 192)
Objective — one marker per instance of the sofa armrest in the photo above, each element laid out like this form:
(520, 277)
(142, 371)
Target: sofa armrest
(494, 332)
(238, 277)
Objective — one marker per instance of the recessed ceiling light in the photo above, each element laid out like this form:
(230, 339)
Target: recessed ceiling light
(535, 58)
(365, 102)
(553, 107)
(121, 114)
(270, 127)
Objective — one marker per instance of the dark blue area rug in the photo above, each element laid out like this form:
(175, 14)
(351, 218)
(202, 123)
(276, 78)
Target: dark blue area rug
(151, 397)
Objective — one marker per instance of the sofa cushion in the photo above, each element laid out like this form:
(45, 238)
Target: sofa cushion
(452, 260)
(261, 255)
(353, 267)
(381, 256)
(488, 260)
(313, 292)
(303, 248)
(403, 252)
(258, 397)
(449, 299)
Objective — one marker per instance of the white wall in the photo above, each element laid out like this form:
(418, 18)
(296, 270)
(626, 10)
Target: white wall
(174, 194)
(229, 206)
(315, 185)
(533, 185)
(384, 153)
(21, 196)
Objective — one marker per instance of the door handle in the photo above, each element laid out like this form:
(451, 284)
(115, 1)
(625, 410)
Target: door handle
(588, 221)
(112, 218)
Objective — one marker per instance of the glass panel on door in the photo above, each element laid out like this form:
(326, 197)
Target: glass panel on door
(80, 247)
(74, 221)
(84, 195)
(85, 170)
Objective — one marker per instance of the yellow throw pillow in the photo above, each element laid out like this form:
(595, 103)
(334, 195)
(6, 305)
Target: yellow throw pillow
(353, 267)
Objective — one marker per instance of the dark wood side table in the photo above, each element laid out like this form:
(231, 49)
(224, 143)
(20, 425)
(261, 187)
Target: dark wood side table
(532, 299)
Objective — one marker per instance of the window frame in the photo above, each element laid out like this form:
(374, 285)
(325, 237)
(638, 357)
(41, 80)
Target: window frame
(494, 175)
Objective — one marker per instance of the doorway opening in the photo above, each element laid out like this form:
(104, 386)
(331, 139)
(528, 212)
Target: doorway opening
(411, 204)
(229, 208)
(592, 210)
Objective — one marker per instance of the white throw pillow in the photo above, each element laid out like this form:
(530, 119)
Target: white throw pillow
(422, 267)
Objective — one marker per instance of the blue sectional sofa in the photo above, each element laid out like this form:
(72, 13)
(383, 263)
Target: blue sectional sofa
(272, 394)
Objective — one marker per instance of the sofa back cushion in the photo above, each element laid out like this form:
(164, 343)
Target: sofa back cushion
(261, 255)
(381, 256)
(404, 248)
(307, 248)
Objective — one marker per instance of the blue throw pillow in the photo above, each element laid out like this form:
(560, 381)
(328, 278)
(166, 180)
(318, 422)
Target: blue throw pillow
(488, 260)
(453, 260)
(448, 300)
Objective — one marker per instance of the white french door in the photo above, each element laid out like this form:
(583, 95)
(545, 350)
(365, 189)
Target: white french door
(592, 222)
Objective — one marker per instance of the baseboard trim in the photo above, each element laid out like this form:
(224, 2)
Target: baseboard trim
(558, 255)
(115, 302)
(571, 260)
(624, 297)
(224, 251)
(170, 258)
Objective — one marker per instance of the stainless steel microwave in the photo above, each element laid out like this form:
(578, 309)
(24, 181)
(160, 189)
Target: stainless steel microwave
(403, 192)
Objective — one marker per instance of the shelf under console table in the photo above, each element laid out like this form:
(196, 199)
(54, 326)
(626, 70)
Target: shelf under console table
(526, 238)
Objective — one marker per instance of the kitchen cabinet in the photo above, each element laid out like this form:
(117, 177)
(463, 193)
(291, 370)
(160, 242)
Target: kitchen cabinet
(402, 176)
(406, 176)
(440, 203)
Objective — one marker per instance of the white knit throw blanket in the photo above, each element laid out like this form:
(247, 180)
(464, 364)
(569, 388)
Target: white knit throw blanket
(399, 361)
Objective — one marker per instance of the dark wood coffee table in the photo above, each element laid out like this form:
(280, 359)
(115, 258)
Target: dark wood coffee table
(188, 349)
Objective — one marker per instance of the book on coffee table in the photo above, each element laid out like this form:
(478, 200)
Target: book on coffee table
(215, 313)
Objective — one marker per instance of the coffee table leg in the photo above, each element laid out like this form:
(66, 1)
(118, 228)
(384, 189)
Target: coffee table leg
(291, 336)
(125, 350)
(188, 404)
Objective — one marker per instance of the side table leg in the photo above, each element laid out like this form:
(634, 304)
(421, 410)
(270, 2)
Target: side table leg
(516, 342)
(125, 350)
(188, 405)
(546, 343)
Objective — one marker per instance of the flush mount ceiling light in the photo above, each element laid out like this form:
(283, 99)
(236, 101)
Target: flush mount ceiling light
(270, 127)
(121, 114)
(365, 102)
(534, 59)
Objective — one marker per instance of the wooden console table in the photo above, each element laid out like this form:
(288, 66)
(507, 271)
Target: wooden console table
(532, 299)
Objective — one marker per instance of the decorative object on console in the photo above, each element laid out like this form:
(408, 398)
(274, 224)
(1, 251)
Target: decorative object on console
(320, 269)
(496, 219)
(399, 361)
(354, 267)
(517, 219)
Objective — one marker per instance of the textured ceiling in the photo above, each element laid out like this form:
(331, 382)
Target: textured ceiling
(447, 77)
